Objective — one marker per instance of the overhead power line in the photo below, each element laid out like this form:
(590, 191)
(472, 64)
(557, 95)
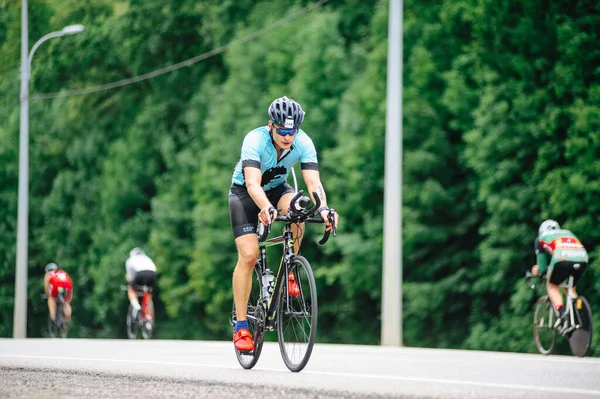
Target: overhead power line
(179, 65)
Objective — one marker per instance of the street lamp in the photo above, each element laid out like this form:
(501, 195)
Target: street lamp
(391, 291)
(20, 309)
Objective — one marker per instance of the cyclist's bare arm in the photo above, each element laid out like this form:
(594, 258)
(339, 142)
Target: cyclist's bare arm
(46, 282)
(313, 184)
(253, 177)
(312, 179)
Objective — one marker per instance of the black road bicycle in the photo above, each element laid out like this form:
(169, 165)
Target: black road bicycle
(288, 302)
(59, 328)
(576, 325)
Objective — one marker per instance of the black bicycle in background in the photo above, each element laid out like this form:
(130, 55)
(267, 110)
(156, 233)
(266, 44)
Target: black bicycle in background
(576, 325)
(143, 319)
(287, 301)
(59, 328)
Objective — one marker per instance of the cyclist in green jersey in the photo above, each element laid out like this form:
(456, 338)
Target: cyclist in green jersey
(559, 253)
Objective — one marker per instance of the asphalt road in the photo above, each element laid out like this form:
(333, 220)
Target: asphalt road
(78, 368)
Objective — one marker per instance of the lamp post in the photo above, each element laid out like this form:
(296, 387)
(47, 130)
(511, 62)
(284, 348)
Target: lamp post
(20, 309)
(391, 293)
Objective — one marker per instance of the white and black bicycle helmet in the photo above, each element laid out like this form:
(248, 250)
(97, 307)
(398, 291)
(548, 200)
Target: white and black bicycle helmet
(50, 267)
(548, 225)
(136, 251)
(286, 112)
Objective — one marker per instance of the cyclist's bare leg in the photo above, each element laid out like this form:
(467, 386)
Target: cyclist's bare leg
(52, 307)
(131, 294)
(67, 310)
(554, 293)
(247, 246)
(284, 205)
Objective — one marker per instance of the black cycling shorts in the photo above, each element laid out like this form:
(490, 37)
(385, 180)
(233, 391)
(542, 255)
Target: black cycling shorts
(562, 270)
(144, 277)
(243, 212)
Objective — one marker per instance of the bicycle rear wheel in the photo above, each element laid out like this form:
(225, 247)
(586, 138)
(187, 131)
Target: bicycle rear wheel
(255, 315)
(132, 324)
(580, 340)
(62, 323)
(148, 320)
(297, 315)
(52, 328)
(543, 326)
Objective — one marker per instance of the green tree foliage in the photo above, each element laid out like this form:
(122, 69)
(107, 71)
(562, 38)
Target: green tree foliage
(501, 130)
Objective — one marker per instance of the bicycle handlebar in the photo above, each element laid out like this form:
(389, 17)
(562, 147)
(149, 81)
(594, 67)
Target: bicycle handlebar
(137, 288)
(301, 215)
(529, 276)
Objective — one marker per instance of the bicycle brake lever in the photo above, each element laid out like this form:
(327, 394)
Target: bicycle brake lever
(331, 218)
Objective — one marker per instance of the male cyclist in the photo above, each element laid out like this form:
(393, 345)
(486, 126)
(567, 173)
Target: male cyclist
(559, 252)
(55, 279)
(259, 189)
(139, 270)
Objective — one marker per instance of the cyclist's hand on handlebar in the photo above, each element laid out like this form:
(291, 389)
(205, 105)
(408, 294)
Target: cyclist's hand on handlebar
(534, 270)
(267, 215)
(325, 214)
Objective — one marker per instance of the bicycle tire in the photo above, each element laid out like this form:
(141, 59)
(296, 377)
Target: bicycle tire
(132, 325)
(63, 324)
(543, 326)
(148, 325)
(297, 316)
(580, 340)
(64, 328)
(256, 324)
(52, 328)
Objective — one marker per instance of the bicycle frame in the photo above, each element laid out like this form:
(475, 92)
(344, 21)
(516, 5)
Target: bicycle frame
(271, 305)
(145, 301)
(570, 297)
(569, 305)
(60, 304)
(143, 292)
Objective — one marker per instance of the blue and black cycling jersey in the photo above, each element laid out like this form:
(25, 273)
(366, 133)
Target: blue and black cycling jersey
(258, 150)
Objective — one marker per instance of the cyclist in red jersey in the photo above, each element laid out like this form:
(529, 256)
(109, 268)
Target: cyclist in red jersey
(54, 278)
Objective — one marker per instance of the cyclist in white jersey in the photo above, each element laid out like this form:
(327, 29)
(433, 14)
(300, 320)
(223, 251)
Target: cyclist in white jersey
(139, 270)
(259, 189)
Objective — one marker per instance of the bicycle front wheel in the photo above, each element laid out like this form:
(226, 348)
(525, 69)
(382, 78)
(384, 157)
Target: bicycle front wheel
(543, 326)
(581, 339)
(255, 315)
(297, 314)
